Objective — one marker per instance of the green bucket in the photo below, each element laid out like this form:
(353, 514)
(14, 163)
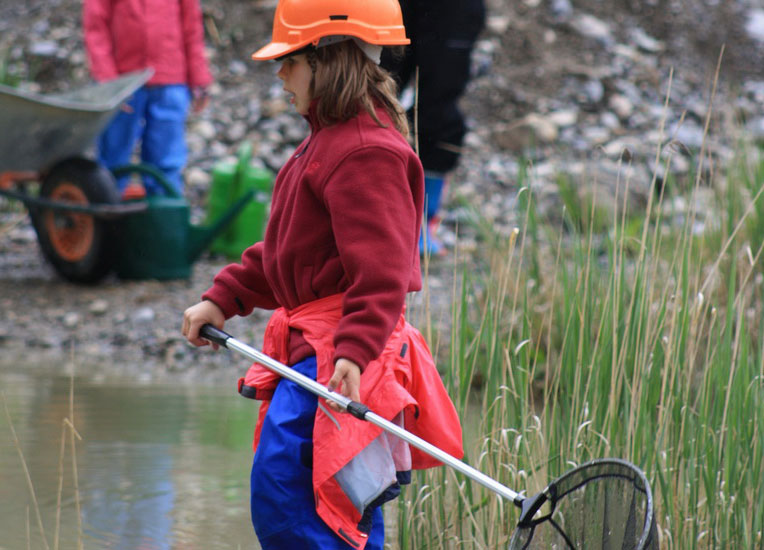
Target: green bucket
(230, 182)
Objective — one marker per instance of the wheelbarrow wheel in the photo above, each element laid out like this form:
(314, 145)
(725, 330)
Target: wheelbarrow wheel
(79, 245)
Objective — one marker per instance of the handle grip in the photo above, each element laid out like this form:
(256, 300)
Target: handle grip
(214, 335)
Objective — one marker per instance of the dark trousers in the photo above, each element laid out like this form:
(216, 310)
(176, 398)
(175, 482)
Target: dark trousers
(442, 34)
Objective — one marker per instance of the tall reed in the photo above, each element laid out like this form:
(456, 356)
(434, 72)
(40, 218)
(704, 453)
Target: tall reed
(574, 344)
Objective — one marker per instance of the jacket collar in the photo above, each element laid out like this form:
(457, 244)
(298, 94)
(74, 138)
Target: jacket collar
(312, 116)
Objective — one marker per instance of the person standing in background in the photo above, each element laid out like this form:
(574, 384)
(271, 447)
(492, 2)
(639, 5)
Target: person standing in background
(122, 36)
(442, 34)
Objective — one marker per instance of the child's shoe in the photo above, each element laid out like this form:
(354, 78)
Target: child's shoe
(431, 245)
(434, 183)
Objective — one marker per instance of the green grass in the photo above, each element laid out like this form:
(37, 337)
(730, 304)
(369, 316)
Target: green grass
(639, 339)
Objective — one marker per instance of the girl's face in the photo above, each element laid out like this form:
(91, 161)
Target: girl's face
(296, 75)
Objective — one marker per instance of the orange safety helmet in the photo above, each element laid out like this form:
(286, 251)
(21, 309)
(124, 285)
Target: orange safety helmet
(299, 23)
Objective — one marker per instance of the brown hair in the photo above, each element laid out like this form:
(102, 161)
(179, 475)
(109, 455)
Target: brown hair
(345, 81)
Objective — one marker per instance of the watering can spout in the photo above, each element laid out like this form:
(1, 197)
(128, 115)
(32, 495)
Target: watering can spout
(200, 237)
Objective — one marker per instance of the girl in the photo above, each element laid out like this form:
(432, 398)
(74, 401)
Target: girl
(339, 255)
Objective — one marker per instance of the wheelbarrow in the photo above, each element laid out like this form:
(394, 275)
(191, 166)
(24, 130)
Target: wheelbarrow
(84, 228)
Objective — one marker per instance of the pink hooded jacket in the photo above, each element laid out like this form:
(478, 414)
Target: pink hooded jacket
(130, 35)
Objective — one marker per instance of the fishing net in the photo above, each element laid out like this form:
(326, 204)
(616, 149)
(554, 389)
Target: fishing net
(601, 505)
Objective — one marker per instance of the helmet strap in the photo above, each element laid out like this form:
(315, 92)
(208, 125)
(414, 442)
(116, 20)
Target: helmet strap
(312, 59)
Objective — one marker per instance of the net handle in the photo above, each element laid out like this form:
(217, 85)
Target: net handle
(359, 410)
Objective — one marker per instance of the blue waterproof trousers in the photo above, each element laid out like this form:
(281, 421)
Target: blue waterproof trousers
(282, 504)
(155, 116)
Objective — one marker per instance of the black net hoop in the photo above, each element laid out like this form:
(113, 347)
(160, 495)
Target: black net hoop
(605, 504)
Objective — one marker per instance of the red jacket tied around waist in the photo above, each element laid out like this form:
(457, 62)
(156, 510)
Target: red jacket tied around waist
(403, 379)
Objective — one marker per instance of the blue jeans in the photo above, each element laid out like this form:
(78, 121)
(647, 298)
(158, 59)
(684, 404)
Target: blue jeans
(282, 504)
(155, 116)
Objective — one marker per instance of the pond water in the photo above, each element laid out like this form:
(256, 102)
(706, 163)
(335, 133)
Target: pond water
(158, 466)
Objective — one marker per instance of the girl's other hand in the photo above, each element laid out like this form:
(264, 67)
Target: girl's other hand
(198, 315)
(346, 377)
(199, 99)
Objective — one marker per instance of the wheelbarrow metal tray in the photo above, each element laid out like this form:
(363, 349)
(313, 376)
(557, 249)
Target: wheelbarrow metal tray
(39, 130)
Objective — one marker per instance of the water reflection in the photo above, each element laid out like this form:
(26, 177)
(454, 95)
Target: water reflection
(131, 495)
(158, 467)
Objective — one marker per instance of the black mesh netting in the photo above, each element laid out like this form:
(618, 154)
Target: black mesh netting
(602, 505)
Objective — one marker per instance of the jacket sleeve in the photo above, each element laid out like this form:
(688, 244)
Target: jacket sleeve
(239, 288)
(96, 19)
(375, 224)
(197, 67)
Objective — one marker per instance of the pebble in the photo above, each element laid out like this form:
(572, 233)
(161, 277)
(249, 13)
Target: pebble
(596, 135)
(197, 177)
(143, 316)
(610, 120)
(498, 24)
(621, 106)
(204, 128)
(71, 319)
(44, 49)
(593, 91)
(99, 307)
(756, 128)
(236, 131)
(561, 9)
(646, 42)
(563, 118)
(688, 133)
(237, 67)
(591, 27)
(755, 24)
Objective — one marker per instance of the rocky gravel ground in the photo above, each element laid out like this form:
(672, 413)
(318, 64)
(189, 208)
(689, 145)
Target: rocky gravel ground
(577, 87)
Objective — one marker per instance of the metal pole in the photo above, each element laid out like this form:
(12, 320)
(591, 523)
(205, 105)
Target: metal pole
(358, 410)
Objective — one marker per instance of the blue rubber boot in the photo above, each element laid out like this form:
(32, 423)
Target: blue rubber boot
(433, 194)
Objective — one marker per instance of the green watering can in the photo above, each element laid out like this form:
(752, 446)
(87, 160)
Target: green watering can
(230, 181)
(160, 242)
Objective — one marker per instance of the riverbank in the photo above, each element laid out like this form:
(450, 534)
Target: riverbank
(558, 89)
(131, 328)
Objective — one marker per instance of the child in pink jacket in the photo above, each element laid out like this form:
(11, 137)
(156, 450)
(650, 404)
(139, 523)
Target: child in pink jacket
(122, 36)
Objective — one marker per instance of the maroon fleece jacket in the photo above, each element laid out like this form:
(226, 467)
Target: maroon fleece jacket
(345, 218)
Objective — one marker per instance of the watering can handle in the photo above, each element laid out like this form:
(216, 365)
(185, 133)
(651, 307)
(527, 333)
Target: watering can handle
(244, 155)
(148, 170)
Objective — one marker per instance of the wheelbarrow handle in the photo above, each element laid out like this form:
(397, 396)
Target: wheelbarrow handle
(98, 210)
